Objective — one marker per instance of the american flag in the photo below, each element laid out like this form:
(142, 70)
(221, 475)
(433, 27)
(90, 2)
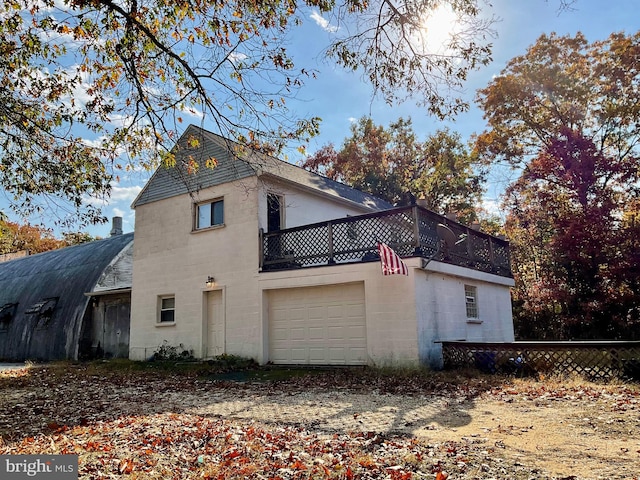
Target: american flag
(392, 264)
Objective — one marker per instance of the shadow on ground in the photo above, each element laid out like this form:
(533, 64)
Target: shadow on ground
(45, 398)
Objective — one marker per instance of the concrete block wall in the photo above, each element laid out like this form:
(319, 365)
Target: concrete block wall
(389, 306)
(441, 309)
(405, 315)
(172, 259)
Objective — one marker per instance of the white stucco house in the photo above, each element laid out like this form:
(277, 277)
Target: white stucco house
(263, 259)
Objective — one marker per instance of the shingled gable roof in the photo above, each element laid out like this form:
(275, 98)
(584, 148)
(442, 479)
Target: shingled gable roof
(170, 182)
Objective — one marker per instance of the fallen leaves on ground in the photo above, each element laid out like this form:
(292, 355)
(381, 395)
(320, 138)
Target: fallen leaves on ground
(185, 446)
(134, 425)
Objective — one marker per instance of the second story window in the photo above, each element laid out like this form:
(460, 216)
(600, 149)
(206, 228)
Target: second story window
(210, 214)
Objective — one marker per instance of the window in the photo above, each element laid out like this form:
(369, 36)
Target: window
(43, 311)
(210, 214)
(42, 307)
(471, 301)
(7, 311)
(275, 212)
(167, 309)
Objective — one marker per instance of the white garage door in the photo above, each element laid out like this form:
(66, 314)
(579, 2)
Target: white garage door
(318, 325)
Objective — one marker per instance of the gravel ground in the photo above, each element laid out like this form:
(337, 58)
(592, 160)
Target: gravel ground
(337, 424)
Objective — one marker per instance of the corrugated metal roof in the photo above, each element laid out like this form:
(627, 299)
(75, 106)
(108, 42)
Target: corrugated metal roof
(58, 278)
(170, 182)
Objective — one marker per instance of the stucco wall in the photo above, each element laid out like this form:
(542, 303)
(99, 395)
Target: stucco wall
(171, 259)
(440, 300)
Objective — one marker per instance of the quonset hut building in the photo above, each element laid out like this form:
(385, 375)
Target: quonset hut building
(72, 303)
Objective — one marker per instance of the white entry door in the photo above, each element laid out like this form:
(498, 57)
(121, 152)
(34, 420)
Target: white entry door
(323, 325)
(215, 324)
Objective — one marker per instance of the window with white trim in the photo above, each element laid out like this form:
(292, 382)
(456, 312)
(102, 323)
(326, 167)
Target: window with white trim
(210, 214)
(167, 310)
(471, 301)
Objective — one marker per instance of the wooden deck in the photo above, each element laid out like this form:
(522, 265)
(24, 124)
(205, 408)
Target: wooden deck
(410, 231)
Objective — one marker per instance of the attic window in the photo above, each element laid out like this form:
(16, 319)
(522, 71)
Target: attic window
(7, 311)
(43, 311)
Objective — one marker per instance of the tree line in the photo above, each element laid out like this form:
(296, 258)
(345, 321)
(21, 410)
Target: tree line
(18, 237)
(565, 116)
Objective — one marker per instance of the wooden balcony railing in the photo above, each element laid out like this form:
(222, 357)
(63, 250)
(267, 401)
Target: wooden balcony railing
(410, 231)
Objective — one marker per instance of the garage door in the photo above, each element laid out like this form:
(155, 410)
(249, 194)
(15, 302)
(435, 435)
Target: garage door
(318, 325)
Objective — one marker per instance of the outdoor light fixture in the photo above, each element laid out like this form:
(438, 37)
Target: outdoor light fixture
(210, 280)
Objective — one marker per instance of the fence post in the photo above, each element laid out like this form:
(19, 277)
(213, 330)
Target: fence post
(330, 261)
(416, 231)
(261, 247)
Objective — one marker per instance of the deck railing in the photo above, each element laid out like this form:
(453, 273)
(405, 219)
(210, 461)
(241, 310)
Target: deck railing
(410, 231)
(594, 360)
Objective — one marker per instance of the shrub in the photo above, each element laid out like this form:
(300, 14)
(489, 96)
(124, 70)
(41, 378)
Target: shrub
(167, 352)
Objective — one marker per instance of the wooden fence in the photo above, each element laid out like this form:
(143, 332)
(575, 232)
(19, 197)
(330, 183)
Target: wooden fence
(593, 360)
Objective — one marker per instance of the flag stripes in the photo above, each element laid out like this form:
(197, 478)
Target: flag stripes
(390, 261)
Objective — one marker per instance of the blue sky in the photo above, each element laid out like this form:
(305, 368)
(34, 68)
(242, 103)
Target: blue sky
(340, 97)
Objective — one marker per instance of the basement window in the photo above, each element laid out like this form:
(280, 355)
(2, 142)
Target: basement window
(7, 312)
(42, 311)
(471, 302)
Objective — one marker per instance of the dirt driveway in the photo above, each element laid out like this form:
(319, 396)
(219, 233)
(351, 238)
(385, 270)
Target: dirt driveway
(339, 424)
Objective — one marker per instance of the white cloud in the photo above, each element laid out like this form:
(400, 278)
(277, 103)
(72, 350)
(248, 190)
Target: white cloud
(93, 142)
(492, 207)
(118, 212)
(236, 57)
(323, 22)
(120, 194)
(192, 112)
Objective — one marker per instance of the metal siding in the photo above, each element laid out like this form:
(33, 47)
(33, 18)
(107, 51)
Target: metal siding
(67, 274)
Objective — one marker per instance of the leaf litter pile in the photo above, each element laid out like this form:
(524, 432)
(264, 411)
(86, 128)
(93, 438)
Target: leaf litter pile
(335, 424)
